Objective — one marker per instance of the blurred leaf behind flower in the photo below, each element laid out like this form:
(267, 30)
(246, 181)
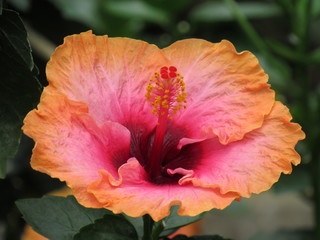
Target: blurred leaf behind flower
(20, 89)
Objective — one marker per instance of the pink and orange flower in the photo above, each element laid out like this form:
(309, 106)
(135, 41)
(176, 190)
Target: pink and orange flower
(137, 129)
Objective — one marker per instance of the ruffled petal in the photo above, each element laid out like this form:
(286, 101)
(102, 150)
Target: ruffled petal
(110, 75)
(72, 147)
(134, 195)
(254, 163)
(228, 94)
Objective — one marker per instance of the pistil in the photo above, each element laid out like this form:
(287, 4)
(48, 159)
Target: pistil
(166, 92)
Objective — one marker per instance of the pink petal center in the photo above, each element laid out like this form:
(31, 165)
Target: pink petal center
(174, 153)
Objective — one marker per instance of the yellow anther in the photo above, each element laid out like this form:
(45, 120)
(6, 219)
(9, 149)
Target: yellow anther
(166, 93)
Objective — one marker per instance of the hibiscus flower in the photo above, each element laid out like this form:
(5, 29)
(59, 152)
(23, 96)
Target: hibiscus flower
(137, 129)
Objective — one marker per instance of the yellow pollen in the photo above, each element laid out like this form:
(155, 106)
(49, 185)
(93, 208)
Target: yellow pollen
(166, 92)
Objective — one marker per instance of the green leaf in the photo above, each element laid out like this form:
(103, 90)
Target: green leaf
(174, 220)
(111, 227)
(214, 11)
(58, 218)
(137, 223)
(205, 237)
(19, 87)
(133, 10)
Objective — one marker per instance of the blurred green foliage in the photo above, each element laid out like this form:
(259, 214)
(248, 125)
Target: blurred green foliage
(218, 11)
(19, 89)
(283, 34)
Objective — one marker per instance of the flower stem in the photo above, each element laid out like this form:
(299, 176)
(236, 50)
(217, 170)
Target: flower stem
(147, 227)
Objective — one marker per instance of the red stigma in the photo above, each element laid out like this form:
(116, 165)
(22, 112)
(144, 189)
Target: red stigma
(172, 74)
(165, 76)
(167, 73)
(172, 69)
